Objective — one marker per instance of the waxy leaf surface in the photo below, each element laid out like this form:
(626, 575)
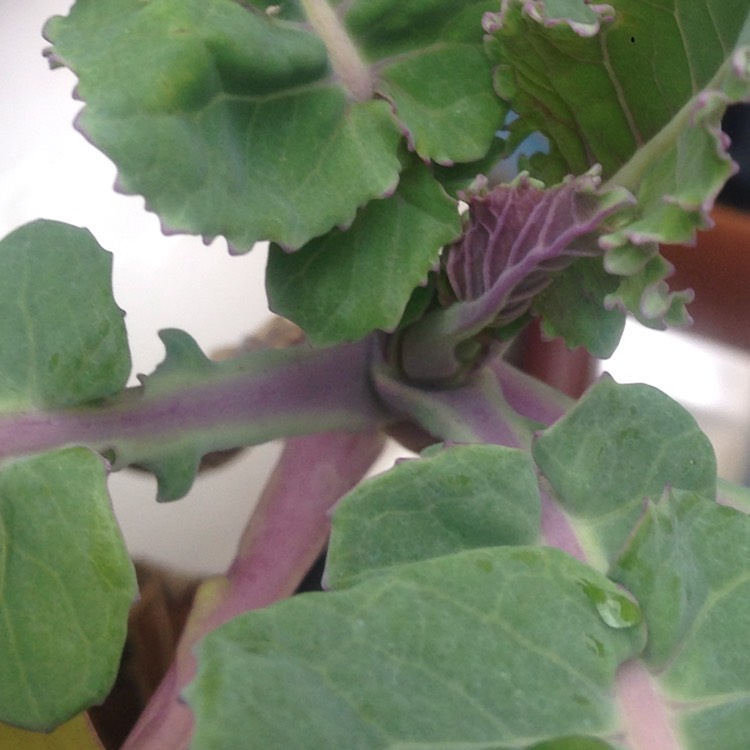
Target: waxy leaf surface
(619, 446)
(255, 125)
(67, 584)
(445, 501)
(449, 652)
(639, 88)
(687, 565)
(62, 337)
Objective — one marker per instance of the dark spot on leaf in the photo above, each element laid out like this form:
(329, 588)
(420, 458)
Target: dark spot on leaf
(632, 40)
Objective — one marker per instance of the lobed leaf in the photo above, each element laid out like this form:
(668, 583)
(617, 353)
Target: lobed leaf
(62, 337)
(67, 584)
(534, 630)
(448, 500)
(234, 121)
(516, 237)
(639, 89)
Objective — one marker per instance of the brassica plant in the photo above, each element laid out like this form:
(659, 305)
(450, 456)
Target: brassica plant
(432, 175)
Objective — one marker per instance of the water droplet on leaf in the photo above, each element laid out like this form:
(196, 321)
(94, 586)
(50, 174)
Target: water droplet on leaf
(615, 609)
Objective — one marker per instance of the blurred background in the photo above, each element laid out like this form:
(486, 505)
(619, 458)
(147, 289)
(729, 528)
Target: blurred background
(48, 170)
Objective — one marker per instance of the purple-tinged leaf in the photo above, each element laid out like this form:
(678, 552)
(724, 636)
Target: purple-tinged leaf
(642, 94)
(516, 238)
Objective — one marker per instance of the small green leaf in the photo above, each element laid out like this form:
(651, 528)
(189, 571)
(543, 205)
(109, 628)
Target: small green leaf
(455, 499)
(346, 284)
(573, 307)
(67, 584)
(430, 62)
(450, 652)
(62, 337)
(619, 446)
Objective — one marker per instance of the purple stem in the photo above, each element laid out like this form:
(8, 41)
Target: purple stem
(499, 405)
(648, 723)
(474, 412)
(285, 534)
(528, 396)
(258, 397)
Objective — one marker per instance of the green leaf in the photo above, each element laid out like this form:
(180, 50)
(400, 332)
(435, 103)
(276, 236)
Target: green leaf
(432, 65)
(687, 565)
(226, 120)
(62, 337)
(619, 80)
(733, 495)
(448, 500)
(619, 446)
(644, 98)
(450, 652)
(346, 284)
(573, 307)
(67, 584)
(234, 121)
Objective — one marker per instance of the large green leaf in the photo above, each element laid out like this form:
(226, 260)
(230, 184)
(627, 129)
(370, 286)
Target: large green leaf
(642, 92)
(687, 565)
(482, 649)
(235, 121)
(621, 72)
(619, 446)
(347, 283)
(62, 337)
(446, 501)
(225, 119)
(66, 584)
